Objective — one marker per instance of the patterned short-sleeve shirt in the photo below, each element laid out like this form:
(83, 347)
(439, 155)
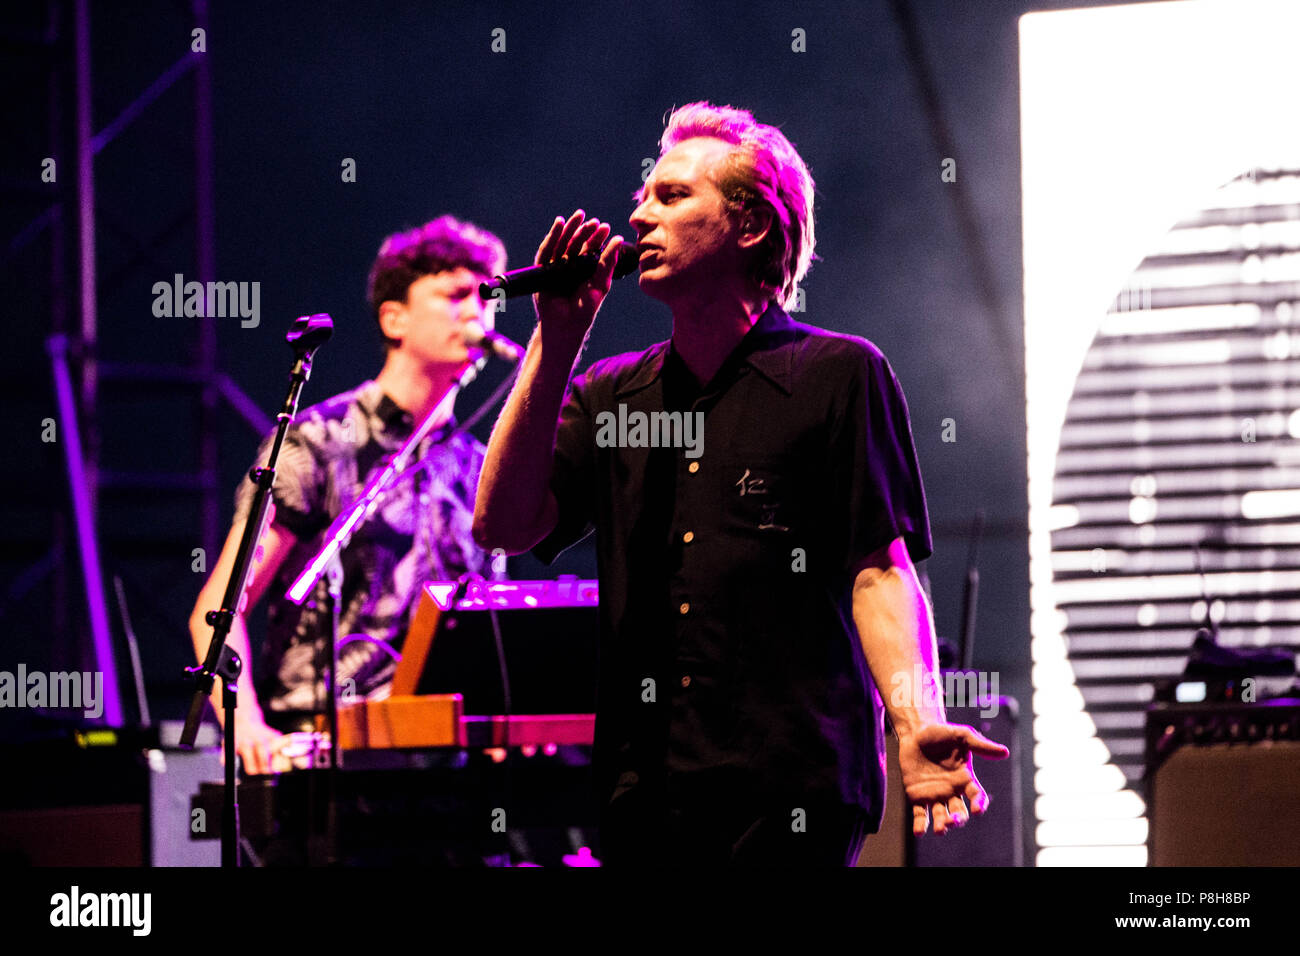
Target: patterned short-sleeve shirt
(420, 532)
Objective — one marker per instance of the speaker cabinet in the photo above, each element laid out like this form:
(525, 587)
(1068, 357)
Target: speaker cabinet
(1220, 783)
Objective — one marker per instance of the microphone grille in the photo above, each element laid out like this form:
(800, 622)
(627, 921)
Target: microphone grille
(628, 259)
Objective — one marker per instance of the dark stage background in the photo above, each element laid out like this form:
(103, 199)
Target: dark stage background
(437, 122)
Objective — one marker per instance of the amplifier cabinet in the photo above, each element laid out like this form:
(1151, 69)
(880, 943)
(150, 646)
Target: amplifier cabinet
(1220, 781)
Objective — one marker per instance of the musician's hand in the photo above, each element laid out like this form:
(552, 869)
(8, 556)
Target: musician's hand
(255, 741)
(939, 776)
(571, 316)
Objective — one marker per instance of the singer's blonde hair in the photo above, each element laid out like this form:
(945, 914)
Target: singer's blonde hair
(763, 170)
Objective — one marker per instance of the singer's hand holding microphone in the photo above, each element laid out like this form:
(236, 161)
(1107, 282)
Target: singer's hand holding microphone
(575, 266)
(572, 315)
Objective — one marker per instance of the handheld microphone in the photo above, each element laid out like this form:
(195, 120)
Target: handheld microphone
(561, 277)
(477, 337)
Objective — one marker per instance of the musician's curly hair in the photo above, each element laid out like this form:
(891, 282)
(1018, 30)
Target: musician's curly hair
(444, 244)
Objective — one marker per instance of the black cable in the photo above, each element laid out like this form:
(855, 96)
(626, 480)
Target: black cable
(505, 674)
(491, 400)
(506, 704)
(466, 425)
(497, 394)
(507, 707)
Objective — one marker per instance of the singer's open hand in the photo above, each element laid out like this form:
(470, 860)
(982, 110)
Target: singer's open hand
(572, 315)
(937, 765)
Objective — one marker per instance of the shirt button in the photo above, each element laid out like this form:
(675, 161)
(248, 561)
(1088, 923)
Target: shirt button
(688, 537)
(693, 467)
(686, 680)
(685, 608)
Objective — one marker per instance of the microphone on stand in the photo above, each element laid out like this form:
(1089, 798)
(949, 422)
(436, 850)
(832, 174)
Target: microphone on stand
(477, 337)
(561, 277)
(310, 332)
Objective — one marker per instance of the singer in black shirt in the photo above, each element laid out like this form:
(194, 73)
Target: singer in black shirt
(758, 595)
(725, 577)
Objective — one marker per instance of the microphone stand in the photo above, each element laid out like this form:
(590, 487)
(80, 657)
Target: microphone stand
(307, 334)
(970, 594)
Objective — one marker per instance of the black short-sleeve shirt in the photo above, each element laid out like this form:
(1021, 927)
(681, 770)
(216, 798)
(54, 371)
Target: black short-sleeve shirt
(729, 519)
